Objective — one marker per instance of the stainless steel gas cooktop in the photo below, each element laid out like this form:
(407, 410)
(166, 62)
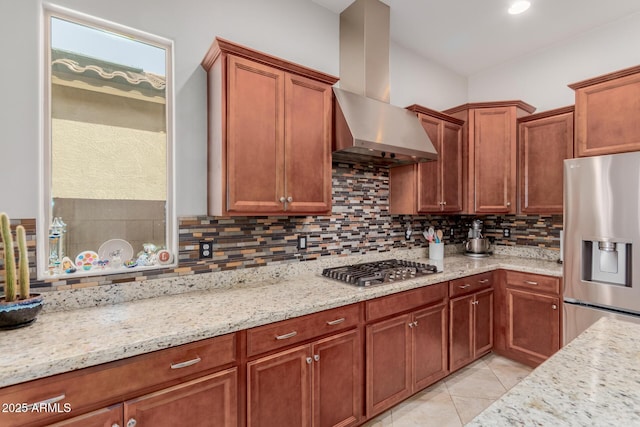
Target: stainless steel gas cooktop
(378, 272)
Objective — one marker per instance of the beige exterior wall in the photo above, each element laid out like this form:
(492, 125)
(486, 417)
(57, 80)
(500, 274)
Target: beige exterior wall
(97, 161)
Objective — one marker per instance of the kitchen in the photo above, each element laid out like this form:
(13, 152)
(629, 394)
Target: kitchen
(317, 31)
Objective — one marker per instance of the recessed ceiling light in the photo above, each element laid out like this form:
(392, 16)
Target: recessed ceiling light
(519, 6)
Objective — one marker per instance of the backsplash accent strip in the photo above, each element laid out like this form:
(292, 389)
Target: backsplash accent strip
(360, 223)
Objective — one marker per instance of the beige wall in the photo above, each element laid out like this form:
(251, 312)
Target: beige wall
(111, 147)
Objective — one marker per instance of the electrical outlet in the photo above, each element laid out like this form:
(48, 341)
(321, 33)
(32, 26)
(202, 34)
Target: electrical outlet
(205, 249)
(302, 242)
(506, 232)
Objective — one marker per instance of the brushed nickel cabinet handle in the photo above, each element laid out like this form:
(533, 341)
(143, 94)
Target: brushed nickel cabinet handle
(285, 336)
(508, 203)
(132, 422)
(336, 322)
(444, 203)
(529, 282)
(289, 199)
(483, 281)
(47, 401)
(283, 199)
(115, 425)
(415, 323)
(309, 360)
(555, 307)
(185, 364)
(464, 286)
(316, 357)
(411, 324)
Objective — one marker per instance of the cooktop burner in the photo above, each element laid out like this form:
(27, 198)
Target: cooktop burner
(378, 272)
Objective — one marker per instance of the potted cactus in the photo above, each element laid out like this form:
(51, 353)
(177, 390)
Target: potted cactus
(16, 310)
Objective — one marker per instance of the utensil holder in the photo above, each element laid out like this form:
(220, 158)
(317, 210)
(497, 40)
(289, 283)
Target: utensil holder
(436, 250)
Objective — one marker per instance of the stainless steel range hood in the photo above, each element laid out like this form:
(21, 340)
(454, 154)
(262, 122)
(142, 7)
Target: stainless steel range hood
(367, 128)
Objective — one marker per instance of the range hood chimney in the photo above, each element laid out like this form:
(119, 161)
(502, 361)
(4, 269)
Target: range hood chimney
(367, 128)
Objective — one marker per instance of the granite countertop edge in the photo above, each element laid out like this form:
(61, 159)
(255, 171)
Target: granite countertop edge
(64, 341)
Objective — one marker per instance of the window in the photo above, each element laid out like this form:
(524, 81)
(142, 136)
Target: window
(108, 149)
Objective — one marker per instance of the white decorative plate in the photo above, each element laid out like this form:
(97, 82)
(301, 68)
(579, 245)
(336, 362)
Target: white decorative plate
(114, 248)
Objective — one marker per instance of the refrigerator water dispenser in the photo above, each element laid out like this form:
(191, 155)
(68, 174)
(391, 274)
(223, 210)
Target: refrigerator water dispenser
(606, 262)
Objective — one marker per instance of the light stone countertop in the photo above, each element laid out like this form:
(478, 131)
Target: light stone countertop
(592, 381)
(63, 341)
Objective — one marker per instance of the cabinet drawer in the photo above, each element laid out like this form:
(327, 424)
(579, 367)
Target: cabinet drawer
(534, 282)
(470, 284)
(292, 331)
(102, 385)
(404, 301)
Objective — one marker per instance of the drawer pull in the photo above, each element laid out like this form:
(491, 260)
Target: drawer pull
(336, 322)
(185, 364)
(47, 401)
(483, 281)
(464, 286)
(285, 336)
(529, 282)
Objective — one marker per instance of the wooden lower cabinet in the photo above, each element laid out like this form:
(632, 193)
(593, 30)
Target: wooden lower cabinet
(203, 402)
(405, 354)
(209, 401)
(106, 417)
(471, 327)
(529, 320)
(318, 384)
(533, 325)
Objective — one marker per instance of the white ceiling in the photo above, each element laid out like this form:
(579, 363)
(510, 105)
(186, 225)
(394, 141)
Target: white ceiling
(467, 36)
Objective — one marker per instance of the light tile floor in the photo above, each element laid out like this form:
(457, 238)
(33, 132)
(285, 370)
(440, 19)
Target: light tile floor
(457, 399)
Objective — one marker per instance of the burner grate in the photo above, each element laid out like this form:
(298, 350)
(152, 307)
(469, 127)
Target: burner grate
(378, 272)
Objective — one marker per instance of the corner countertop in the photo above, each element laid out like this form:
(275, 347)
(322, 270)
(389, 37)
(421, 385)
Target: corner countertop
(68, 340)
(592, 381)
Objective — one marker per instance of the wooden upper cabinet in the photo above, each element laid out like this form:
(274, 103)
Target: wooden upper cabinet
(269, 144)
(545, 140)
(436, 186)
(490, 154)
(607, 111)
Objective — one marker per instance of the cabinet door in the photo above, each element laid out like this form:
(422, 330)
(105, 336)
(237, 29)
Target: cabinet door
(543, 145)
(106, 417)
(255, 135)
(494, 135)
(207, 401)
(279, 389)
(388, 360)
(451, 167)
(337, 380)
(483, 322)
(430, 347)
(460, 332)
(533, 324)
(307, 145)
(607, 115)
(429, 188)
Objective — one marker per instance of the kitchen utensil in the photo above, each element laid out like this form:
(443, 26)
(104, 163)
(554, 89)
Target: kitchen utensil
(432, 234)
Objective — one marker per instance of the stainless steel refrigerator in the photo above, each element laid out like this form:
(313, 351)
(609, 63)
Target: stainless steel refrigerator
(601, 240)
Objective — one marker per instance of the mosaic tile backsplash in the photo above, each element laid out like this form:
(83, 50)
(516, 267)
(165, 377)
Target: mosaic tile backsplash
(360, 223)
